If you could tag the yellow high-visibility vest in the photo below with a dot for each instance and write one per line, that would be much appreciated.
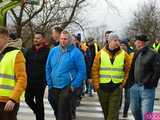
(156, 48)
(112, 72)
(95, 45)
(84, 47)
(7, 73)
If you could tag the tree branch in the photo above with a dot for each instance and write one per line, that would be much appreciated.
(14, 14)
(77, 3)
(34, 14)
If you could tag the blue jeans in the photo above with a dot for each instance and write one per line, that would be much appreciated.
(89, 88)
(141, 100)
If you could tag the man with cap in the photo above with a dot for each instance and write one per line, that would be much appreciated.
(15, 41)
(143, 78)
(77, 40)
(109, 73)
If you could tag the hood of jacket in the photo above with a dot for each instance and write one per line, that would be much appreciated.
(17, 43)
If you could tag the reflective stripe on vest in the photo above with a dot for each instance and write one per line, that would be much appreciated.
(7, 74)
(112, 72)
(96, 47)
(156, 48)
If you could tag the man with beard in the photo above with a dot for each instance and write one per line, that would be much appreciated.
(36, 58)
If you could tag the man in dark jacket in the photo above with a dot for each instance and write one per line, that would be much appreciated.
(56, 32)
(77, 93)
(143, 78)
(92, 50)
(36, 58)
(125, 46)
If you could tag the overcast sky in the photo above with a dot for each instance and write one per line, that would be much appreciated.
(98, 13)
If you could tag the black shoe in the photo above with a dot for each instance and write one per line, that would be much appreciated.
(73, 117)
(90, 95)
(156, 99)
(78, 102)
(125, 115)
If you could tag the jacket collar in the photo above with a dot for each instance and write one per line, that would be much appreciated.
(5, 46)
(67, 49)
(114, 52)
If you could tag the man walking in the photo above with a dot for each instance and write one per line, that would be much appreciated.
(13, 77)
(65, 71)
(143, 78)
(109, 73)
(125, 46)
(36, 58)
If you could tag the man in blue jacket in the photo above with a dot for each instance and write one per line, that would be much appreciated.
(65, 71)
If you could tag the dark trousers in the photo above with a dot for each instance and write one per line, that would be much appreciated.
(52, 101)
(76, 99)
(127, 101)
(8, 115)
(34, 98)
(61, 103)
(110, 102)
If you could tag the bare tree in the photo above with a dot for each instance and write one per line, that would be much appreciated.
(59, 12)
(20, 18)
(29, 18)
(146, 20)
(49, 13)
(76, 5)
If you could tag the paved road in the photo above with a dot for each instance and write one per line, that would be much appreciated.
(89, 109)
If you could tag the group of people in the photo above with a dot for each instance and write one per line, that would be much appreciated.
(115, 68)
(71, 65)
